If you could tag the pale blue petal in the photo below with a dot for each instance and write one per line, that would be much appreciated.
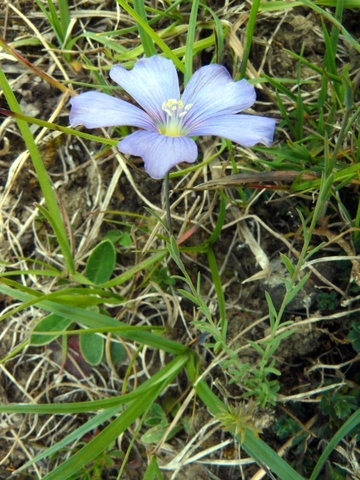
(246, 130)
(151, 82)
(212, 91)
(95, 110)
(159, 152)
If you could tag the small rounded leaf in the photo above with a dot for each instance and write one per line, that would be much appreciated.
(92, 348)
(101, 263)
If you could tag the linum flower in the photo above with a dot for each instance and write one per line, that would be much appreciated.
(209, 105)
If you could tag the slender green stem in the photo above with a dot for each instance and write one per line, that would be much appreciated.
(167, 204)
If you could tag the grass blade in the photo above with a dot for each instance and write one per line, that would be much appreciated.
(46, 187)
(146, 40)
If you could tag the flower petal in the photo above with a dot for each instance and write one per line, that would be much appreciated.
(151, 82)
(246, 130)
(212, 91)
(95, 110)
(159, 152)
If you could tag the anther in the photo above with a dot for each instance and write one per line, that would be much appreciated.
(175, 111)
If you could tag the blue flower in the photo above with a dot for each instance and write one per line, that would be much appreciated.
(209, 106)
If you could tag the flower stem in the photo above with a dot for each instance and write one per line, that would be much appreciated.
(167, 204)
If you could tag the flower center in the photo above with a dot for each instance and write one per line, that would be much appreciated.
(175, 112)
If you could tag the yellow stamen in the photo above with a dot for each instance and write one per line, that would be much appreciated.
(175, 111)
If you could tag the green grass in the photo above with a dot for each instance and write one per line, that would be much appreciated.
(161, 321)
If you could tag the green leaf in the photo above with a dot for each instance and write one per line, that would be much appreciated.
(101, 263)
(287, 262)
(272, 310)
(155, 434)
(118, 236)
(188, 295)
(292, 291)
(354, 336)
(257, 347)
(92, 348)
(155, 416)
(41, 335)
(272, 370)
(117, 352)
(153, 471)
